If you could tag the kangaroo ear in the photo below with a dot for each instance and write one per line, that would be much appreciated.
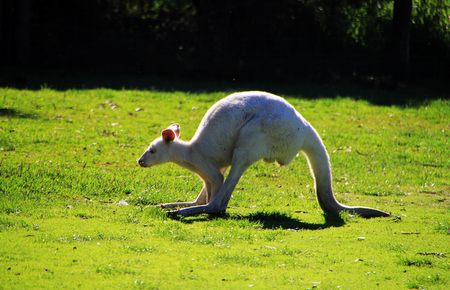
(168, 135)
(176, 128)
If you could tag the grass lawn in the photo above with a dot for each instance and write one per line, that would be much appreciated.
(68, 166)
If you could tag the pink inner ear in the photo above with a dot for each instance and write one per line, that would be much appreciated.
(168, 135)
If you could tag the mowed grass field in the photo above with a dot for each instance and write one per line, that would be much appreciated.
(76, 211)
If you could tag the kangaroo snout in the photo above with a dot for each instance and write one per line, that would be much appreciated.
(141, 162)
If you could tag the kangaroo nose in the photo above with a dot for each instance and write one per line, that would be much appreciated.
(141, 162)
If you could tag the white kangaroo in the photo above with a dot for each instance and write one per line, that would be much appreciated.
(237, 131)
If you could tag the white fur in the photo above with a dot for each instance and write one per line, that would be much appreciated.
(238, 131)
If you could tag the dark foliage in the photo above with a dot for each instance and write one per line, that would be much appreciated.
(244, 40)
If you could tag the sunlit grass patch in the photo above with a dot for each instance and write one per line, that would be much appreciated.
(77, 212)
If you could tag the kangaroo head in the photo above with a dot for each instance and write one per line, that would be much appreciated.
(159, 150)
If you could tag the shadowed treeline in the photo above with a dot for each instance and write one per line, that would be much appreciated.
(289, 40)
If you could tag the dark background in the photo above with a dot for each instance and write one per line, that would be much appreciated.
(376, 42)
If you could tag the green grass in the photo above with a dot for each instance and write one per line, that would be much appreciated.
(68, 157)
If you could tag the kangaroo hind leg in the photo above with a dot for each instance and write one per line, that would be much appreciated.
(251, 147)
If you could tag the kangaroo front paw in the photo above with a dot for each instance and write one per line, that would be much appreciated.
(176, 205)
(169, 205)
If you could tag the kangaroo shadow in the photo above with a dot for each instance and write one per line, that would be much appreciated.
(271, 220)
(278, 220)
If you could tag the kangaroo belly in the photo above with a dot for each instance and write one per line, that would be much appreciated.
(283, 154)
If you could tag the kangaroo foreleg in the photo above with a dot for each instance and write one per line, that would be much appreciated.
(201, 199)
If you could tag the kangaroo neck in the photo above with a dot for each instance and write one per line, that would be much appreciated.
(181, 154)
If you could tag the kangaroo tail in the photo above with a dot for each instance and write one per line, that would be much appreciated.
(319, 164)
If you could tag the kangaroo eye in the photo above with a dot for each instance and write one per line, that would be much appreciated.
(152, 151)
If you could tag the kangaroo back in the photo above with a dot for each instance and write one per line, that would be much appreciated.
(259, 113)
